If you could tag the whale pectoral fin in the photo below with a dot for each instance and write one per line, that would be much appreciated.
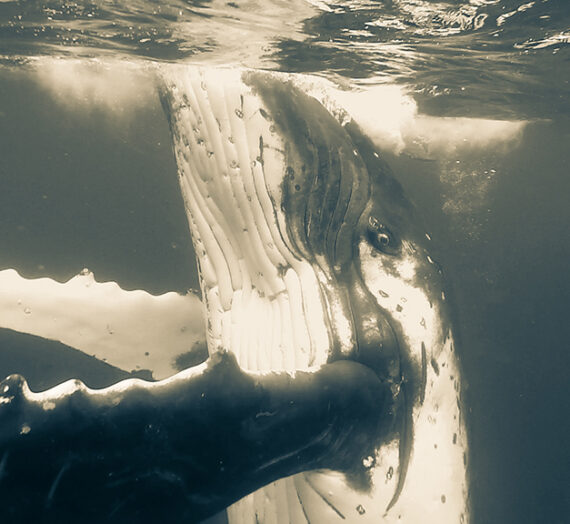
(137, 447)
(127, 329)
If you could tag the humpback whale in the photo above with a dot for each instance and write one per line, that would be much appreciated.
(332, 388)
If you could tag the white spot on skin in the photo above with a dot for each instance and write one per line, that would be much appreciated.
(407, 269)
(25, 429)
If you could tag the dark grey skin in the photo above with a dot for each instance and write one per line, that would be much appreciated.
(181, 450)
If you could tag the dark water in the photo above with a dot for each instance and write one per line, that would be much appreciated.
(93, 184)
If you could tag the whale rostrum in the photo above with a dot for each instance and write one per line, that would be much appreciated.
(332, 388)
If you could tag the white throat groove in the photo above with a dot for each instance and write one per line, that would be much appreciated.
(263, 301)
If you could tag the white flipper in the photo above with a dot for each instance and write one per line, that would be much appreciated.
(127, 329)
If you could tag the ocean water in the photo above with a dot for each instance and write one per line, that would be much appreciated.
(476, 127)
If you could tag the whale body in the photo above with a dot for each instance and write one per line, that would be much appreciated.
(336, 239)
(310, 256)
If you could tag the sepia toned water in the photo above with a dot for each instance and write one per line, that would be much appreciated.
(87, 180)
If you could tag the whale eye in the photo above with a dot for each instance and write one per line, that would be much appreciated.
(381, 237)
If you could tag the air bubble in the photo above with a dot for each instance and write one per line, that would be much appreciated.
(360, 509)
(390, 473)
(239, 113)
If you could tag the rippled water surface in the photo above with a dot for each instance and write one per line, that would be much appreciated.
(491, 57)
(92, 184)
